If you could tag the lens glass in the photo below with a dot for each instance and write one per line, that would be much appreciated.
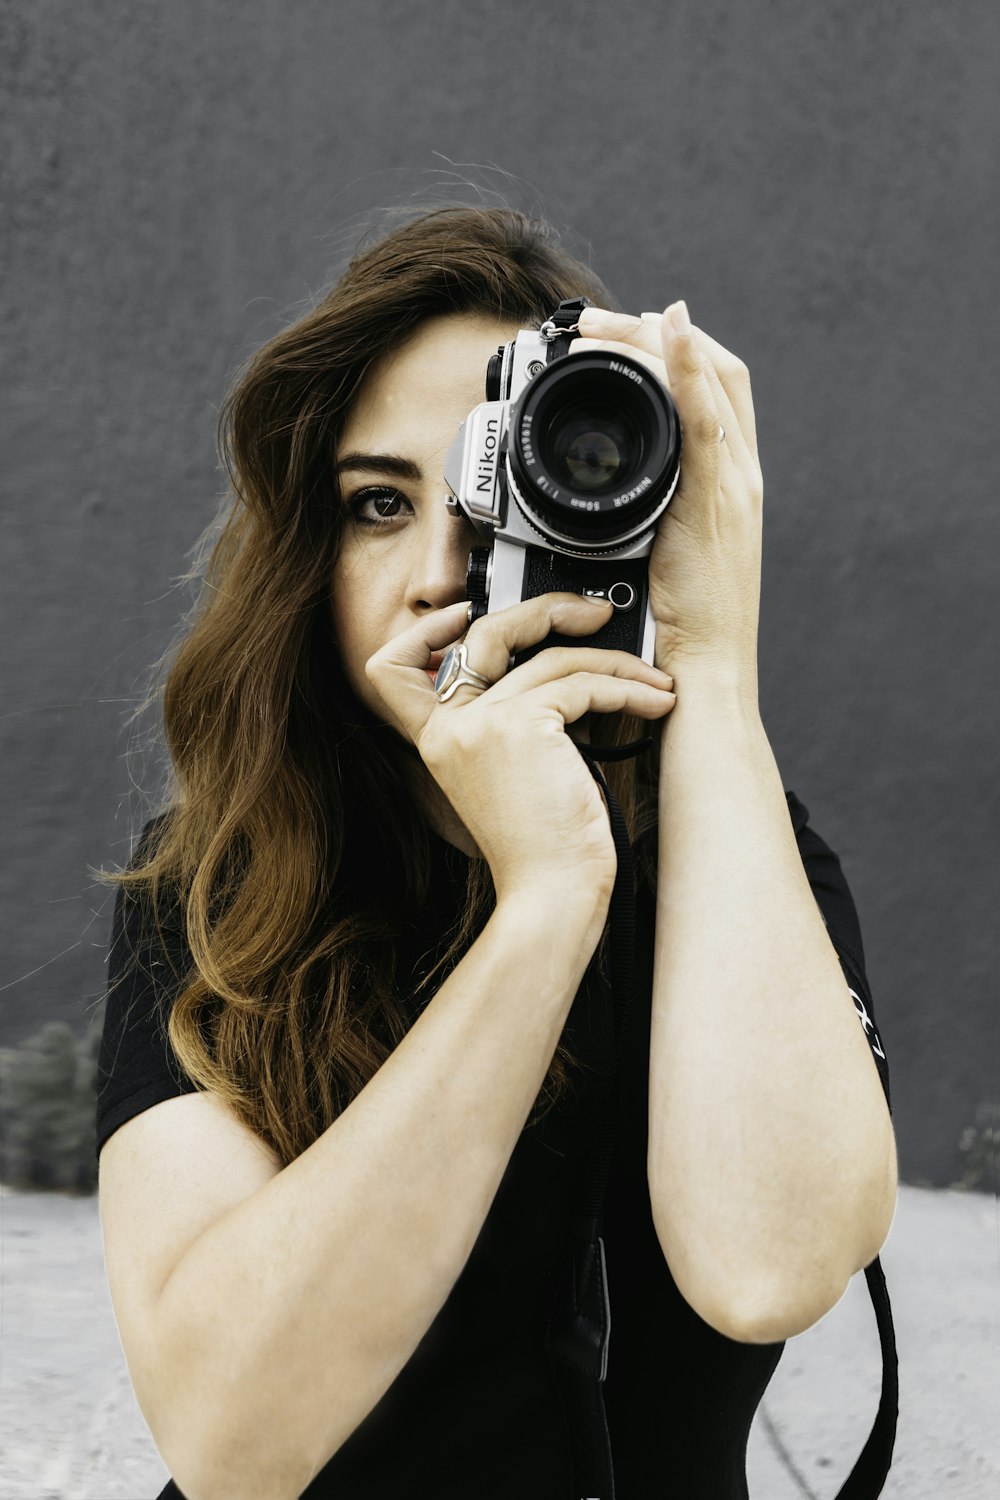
(592, 453)
(592, 446)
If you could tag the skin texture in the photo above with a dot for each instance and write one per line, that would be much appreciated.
(410, 405)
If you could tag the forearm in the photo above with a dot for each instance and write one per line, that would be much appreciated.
(771, 1157)
(285, 1322)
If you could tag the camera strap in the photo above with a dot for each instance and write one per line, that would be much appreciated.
(579, 1327)
(558, 330)
(578, 1333)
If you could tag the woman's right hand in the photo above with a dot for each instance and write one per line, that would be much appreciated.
(502, 756)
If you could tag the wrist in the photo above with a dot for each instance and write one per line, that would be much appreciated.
(552, 944)
(726, 678)
(714, 729)
(556, 908)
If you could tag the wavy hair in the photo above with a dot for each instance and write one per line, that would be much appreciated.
(281, 782)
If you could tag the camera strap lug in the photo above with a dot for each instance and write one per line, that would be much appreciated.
(558, 330)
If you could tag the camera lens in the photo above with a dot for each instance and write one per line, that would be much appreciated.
(591, 451)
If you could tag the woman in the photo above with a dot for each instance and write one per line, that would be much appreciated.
(357, 1029)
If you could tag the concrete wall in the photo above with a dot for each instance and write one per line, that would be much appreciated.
(814, 179)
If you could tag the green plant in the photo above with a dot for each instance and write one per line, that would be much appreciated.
(47, 1110)
(980, 1145)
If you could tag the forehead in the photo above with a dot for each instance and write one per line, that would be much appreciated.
(434, 378)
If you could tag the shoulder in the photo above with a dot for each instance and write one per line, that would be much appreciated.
(133, 900)
(148, 963)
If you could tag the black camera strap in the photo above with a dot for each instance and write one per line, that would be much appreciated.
(558, 330)
(578, 1333)
(579, 1328)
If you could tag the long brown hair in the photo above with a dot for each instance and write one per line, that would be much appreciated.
(281, 781)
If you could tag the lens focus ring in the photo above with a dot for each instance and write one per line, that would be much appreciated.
(594, 448)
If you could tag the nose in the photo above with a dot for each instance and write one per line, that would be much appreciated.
(440, 560)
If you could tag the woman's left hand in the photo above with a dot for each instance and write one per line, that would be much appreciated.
(704, 569)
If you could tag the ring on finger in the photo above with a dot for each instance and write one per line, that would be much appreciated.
(454, 671)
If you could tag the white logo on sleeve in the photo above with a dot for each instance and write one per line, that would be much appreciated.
(867, 1023)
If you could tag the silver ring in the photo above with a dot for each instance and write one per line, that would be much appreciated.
(722, 433)
(453, 671)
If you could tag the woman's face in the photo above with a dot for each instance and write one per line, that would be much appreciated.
(402, 552)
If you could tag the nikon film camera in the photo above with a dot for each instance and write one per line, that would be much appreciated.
(564, 470)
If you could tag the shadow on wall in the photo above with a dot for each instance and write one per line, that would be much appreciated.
(48, 1105)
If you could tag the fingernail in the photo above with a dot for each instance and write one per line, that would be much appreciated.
(680, 320)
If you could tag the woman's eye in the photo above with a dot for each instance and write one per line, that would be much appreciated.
(377, 507)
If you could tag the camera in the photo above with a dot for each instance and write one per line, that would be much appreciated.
(564, 470)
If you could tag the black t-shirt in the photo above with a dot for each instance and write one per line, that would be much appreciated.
(475, 1411)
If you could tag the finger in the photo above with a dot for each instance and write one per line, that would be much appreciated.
(637, 337)
(653, 362)
(562, 661)
(570, 615)
(734, 378)
(731, 436)
(493, 639)
(700, 418)
(623, 333)
(415, 646)
(642, 335)
(601, 323)
(398, 670)
(594, 692)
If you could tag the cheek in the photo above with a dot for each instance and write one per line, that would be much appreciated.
(355, 613)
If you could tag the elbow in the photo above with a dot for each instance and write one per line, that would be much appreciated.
(212, 1450)
(762, 1313)
(789, 1299)
(741, 1301)
(213, 1421)
(206, 1478)
(771, 1316)
(799, 1285)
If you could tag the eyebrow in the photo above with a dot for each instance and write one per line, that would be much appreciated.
(378, 463)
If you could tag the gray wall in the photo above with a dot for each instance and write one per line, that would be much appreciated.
(819, 181)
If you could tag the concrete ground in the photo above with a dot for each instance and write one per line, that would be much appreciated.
(70, 1428)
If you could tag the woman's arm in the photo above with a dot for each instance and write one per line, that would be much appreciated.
(286, 1321)
(772, 1162)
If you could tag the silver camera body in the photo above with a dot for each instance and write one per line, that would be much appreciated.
(564, 470)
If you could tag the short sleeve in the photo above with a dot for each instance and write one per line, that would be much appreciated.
(836, 905)
(137, 1067)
